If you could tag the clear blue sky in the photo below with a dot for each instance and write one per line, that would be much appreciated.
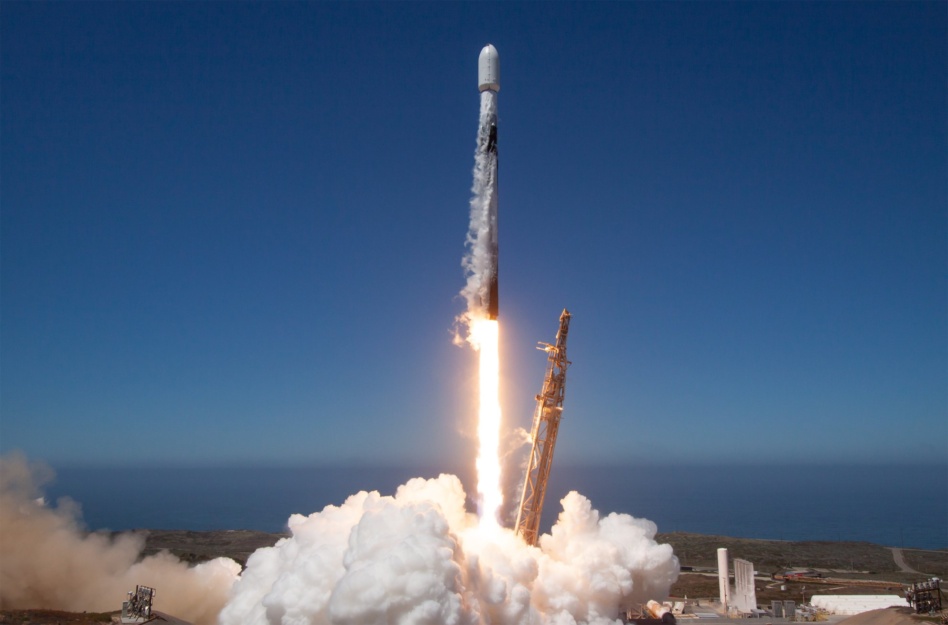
(231, 233)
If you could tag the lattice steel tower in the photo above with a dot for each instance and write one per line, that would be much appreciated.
(546, 423)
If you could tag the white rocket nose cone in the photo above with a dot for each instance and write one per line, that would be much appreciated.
(488, 69)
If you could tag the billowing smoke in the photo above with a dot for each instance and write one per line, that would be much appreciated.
(419, 558)
(47, 561)
(480, 261)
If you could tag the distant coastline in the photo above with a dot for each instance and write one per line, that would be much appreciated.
(902, 506)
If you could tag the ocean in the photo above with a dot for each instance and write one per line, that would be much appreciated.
(897, 506)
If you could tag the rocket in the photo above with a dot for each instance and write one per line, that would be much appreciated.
(488, 79)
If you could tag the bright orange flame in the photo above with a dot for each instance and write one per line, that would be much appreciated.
(485, 338)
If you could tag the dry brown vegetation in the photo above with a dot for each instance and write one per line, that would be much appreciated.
(930, 562)
(194, 547)
(851, 560)
(777, 555)
(53, 617)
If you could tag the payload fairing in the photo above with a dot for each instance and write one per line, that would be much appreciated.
(488, 69)
(488, 79)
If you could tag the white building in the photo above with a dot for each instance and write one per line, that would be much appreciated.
(856, 604)
(745, 595)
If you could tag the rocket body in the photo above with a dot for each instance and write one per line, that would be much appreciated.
(488, 83)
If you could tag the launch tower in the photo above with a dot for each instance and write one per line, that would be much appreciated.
(546, 423)
(137, 609)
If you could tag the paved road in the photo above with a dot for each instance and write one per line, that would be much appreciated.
(900, 562)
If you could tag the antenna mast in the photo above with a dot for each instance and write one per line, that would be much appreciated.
(546, 423)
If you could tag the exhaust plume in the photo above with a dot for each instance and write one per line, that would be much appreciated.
(48, 561)
(480, 318)
(419, 558)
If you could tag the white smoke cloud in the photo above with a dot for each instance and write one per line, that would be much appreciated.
(418, 557)
(47, 561)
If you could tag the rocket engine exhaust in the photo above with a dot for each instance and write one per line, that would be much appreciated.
(480, 290)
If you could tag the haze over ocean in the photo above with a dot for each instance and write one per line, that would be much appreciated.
(889, 505)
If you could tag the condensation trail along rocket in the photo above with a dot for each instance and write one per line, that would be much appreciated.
(488, 80)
